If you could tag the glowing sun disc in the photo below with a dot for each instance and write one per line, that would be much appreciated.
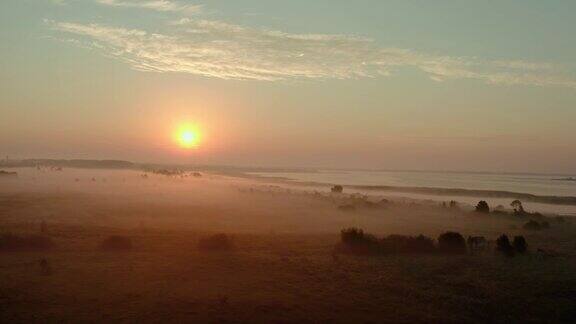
(187, 136)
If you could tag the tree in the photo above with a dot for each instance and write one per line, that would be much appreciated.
(482, 207)
(337, 189)
(503, 245)
(517, 205)
(452, 243)
(520, 244)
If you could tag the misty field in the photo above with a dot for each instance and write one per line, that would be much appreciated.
(126, 248)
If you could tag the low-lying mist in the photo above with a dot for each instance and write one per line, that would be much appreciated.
(212, 202)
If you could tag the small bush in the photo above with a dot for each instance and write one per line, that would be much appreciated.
(337, 189)
(217, 242)
(503, 245)
(534, 225)
(116, 243)
(560, 219)
(482, 207)
(11, 242)
(519, 244)
(356, 241)
(451, 243)
(517, 206)
(400, 244)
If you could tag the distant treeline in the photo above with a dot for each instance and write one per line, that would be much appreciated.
(89, 164)
(557, 200)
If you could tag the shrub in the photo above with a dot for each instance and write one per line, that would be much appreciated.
(517, 206)
(560, 219)
(337, 189)
(400, 244)
(452, 243)
(356, 241)
(519, 244)
(217, 242)
(11, 242)
(503, 245)
(536, 226)
(116, 243)
(532, 225)
(482, 207)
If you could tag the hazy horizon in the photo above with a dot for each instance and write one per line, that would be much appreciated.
(391, 85)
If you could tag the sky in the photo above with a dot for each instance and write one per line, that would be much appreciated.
(376, 84)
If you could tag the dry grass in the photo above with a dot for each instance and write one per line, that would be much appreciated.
(161, 280)
(283, 268)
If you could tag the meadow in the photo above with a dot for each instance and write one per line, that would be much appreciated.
(282, 264)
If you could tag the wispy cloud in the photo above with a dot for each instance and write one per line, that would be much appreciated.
(218, 49)
(159, 5)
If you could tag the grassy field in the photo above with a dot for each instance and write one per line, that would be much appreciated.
(277, 272)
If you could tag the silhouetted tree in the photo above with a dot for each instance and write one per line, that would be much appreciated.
(476, 243)
(356, 241)
(453, 204)
(519, 244)
(482, 207)
(503, 245)
(337, 189)
(452, 243)
(517, 205)
(398, 244)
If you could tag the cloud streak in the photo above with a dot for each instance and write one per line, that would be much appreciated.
(158, 5)
(221, 50)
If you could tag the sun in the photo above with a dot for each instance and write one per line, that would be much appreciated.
(187, 136)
